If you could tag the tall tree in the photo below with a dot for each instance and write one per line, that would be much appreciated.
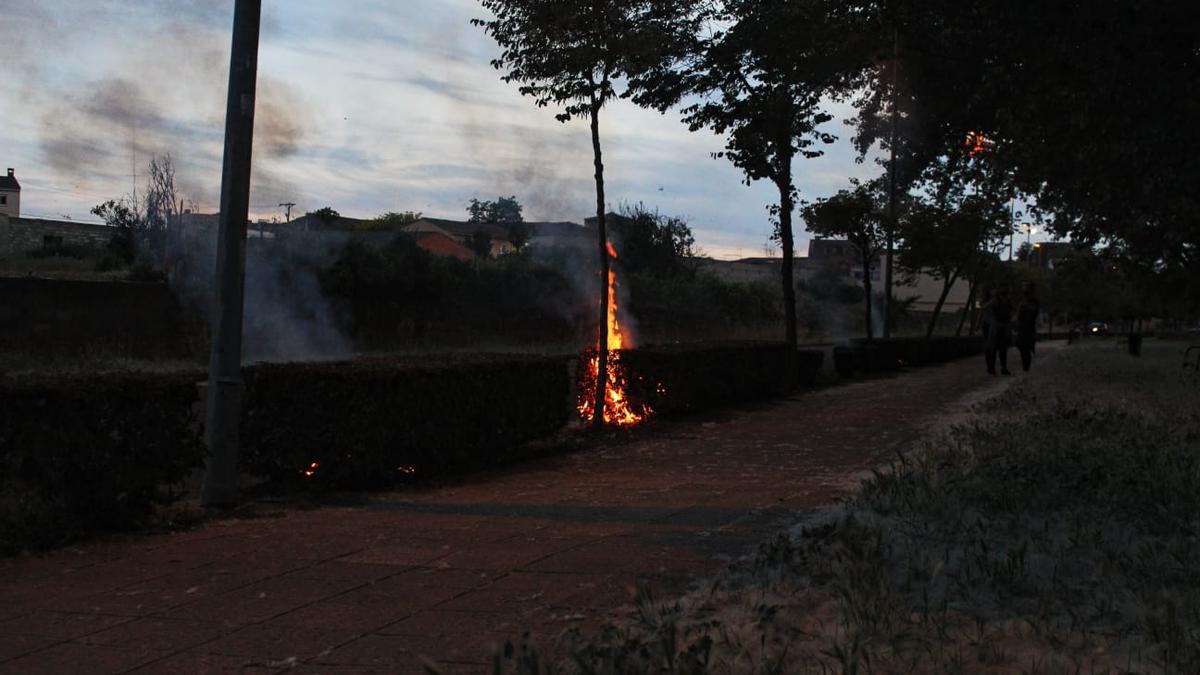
(572, 55)
(952, 223)
(743, 79)
(502, 210)
(859, 216)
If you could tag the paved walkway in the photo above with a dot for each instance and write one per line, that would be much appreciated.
(452, 570)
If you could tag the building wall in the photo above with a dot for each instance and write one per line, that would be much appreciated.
(18, 235)
(12, 203)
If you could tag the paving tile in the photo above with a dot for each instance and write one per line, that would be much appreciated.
(403, 651)
(72, 657)
(164, 635)
(448, 622)
(261, 600)
(12, 646)
(277, 643)
(199, 663)
(59, 625)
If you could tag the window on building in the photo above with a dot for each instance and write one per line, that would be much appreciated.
(3, 200)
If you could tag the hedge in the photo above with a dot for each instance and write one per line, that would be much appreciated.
(370, 422)
(91, 452)
(890, 354)
(693, 377)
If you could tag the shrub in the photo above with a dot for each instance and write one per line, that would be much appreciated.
(371, 422)
(91, 452)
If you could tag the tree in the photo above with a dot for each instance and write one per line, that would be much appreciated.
(651, 242)
(572, 56)
(503, 210)
(326, 215)
(858, 216)
(750, 91)
(126, 222)
(951, 224)
(481, 244)
(1077, 97)
(390, 221)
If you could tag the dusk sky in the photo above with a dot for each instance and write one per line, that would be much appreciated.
(364, 105)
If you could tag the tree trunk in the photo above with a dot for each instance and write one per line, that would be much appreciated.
(971, 286)
(947, 284)
(867, 289)
(891, 226)
(602, 235)
(786, 206)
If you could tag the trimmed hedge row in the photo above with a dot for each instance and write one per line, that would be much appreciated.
(90, 452)
(371, 422)
(688, 378)
(883, 355)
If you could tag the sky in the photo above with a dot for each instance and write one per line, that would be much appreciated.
(366, 106)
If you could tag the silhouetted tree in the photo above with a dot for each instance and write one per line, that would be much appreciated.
(572, 55)
(856, 215)
(503, 210)
(742, 71)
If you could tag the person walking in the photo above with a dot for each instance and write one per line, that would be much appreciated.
(997, 319)
(1027, 314)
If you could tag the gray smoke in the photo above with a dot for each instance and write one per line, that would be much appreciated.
(288, 317)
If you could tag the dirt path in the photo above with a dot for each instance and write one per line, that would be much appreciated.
(450, 571)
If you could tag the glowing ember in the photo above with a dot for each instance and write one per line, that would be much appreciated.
(977, 143)
(407, 469)
(311, 470)
(617, 407)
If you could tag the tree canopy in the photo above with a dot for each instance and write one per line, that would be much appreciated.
(502, 210)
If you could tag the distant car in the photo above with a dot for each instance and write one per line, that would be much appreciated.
(1097, 328)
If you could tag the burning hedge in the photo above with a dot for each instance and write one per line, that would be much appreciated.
(687, 378)
(372, 422)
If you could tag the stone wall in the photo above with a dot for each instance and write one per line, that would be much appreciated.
(19, 235)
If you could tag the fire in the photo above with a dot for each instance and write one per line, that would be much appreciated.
(617, 407)
(977, 143)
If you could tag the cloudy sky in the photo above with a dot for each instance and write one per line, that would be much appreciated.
(364, 105)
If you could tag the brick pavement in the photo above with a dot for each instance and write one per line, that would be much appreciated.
(449, 571)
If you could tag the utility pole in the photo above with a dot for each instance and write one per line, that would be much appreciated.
(223, 412)
(288, 206)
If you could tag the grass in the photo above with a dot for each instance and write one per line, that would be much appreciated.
(1055, 532)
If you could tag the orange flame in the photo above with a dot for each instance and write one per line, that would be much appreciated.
(977, 143)
(617, 407)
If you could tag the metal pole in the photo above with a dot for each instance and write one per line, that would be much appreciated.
(222, 416)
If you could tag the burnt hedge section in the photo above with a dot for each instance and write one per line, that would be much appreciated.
(372, 422)
(82, 453)
(688, 378)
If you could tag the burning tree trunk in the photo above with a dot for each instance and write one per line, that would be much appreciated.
(605, 273)
(614, 404)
